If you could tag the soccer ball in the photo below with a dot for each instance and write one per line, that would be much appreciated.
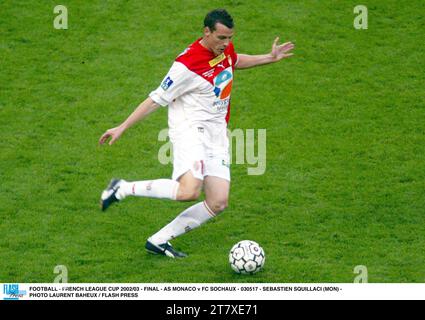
(247, 257)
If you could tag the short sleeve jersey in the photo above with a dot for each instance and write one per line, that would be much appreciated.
(197, 88)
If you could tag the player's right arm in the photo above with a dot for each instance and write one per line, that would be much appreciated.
(178, 81)
(141, 112)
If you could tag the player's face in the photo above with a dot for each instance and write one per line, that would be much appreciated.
(219, 39)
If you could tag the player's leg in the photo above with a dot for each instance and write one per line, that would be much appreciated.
(217, 179)
(189, 219)
(216, 198)
(188, 188)
(217, 194)
(119, 189)
(185, 189)
(185, 185)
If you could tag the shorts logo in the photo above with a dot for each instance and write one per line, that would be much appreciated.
(166, 83)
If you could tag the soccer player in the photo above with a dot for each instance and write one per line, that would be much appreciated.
(197, 91)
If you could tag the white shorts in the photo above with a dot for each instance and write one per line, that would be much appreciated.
(201, 153)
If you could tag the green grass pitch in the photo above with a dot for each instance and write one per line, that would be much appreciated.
(345, 120)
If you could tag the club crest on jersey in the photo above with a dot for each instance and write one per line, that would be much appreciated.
(166, 83)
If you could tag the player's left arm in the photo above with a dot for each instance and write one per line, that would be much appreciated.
(278, 53)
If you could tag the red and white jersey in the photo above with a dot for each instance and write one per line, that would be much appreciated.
(197, 89)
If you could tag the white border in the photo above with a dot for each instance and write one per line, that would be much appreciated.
(216, 291)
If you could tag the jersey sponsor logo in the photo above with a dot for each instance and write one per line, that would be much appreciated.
(222, 88)
(217, 60)
(223, 83)
(167, 83)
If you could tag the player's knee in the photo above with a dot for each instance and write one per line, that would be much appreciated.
(218, 206)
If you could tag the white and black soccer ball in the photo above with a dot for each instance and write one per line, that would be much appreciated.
(247, 257)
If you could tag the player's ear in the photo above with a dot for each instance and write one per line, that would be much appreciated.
(207, 31)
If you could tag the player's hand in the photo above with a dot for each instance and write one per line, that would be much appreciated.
(281, 51)
(113, 133)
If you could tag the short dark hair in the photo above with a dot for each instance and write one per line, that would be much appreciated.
(218, 16)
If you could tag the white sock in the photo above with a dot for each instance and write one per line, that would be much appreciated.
(160, 188)
(186, 221)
